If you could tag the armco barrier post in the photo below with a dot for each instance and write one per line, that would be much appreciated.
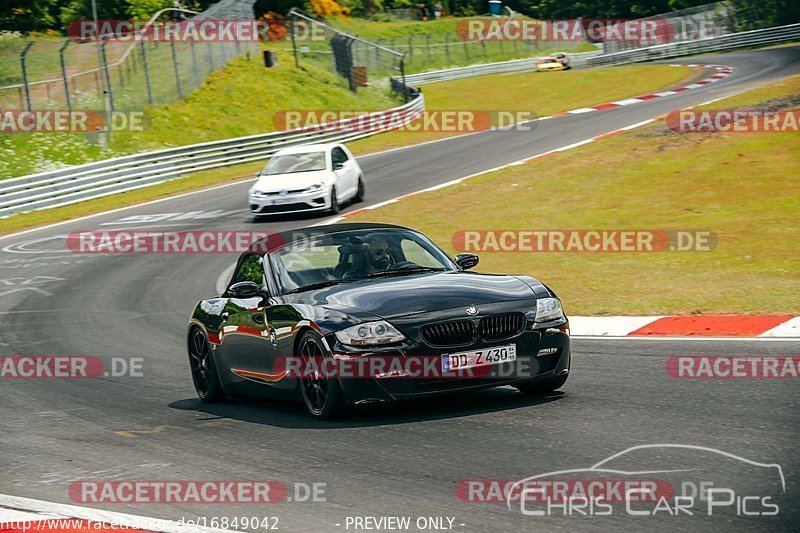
(64, 73)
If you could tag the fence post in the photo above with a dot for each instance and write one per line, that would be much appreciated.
(64, 73)
(466, 50)
(294, 45)
(146, 69)
(194, 64)
(428, 46)
(411, 48)
(447, 47)
(403, 78)
(108, 77)
(210, 55)
(175, 67)
(25, 74)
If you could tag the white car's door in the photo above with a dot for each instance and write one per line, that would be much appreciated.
(344, 169)
(353, 167)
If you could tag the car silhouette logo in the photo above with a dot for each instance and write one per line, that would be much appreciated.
(472, 310)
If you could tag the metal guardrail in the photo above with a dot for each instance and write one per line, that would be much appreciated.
(120, 174)
(487, 68)
(777, 35)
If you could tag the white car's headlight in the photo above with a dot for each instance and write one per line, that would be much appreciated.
(548, 309)
(370, 334)
(314, 188)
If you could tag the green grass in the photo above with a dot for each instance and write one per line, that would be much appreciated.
(741, 186)
(544, 94)
(238, 100)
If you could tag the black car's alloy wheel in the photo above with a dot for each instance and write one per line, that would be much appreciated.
(322, 397)
(204, 373)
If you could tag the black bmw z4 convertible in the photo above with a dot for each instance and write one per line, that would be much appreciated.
(356, 314)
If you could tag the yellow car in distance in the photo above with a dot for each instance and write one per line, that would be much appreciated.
(544, 64)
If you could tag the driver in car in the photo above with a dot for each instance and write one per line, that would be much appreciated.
(374, 257)
(378, 256)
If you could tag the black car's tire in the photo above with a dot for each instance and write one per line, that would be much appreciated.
(204, 371)
(540, 387)
(361, 191)
(322, 397)
(335, 205)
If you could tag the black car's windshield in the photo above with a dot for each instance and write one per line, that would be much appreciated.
(289, 163)
(330, 259)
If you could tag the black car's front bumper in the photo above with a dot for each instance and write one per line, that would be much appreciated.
(542, 353)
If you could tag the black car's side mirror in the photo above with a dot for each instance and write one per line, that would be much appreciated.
(338, 166)
(467, 261)
(245, 289)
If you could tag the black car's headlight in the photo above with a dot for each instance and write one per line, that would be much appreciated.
(548, 309)
(370, 334)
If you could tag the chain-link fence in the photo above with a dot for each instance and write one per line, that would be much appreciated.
(357, 60)
(361, 61)
(68, 74)
(699, 22)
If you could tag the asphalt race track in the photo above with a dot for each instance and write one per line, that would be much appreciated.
(405, 460)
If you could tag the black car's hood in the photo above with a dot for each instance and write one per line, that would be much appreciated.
(415, 293)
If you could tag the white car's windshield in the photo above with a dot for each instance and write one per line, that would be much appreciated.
(286, 164)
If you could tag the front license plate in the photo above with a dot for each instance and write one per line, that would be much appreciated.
(281, 201)
(479, 358)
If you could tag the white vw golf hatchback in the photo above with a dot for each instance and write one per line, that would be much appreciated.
(313, 177)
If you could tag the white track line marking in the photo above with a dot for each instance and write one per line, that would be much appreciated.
(614, 326)
(790, 328)
(628, 101)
